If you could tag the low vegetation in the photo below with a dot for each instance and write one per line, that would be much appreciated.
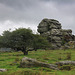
(11, 62)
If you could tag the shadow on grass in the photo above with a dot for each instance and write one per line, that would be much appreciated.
(2, 60)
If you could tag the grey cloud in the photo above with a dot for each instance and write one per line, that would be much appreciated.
(31, 12)
(60, 1)
(18, 9)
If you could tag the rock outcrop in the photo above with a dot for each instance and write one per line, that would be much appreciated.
(52, 29)
(29, 62)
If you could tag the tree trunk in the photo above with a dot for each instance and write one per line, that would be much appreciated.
(25, 52)
(35, 49)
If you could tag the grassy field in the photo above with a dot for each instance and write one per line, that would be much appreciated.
(11, 62)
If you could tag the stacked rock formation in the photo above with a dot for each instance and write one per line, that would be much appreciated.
(52, 29)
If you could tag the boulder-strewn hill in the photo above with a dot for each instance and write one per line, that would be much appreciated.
(57, 36)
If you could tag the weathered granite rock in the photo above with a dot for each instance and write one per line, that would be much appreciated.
(70, 45)
(61, 63)
(29, 62)
(43, 26)
(42, 29)
(55, 32)
(65, 65)
(52, 26)
(48, 33)
(3, 70)
(67, 31)
(57, 36)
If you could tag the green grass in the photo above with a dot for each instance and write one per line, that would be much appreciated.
(11, 62)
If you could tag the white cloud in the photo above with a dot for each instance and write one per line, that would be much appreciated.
(6, 25)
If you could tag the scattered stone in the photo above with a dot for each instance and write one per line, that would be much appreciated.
(61, 63)
(29, 62)
(3, 70)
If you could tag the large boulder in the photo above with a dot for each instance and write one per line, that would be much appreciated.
(43, 26)
(29, 62)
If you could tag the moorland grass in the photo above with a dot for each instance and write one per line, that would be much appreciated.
(11, 62)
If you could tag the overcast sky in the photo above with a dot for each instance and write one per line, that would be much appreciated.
(28, 13)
